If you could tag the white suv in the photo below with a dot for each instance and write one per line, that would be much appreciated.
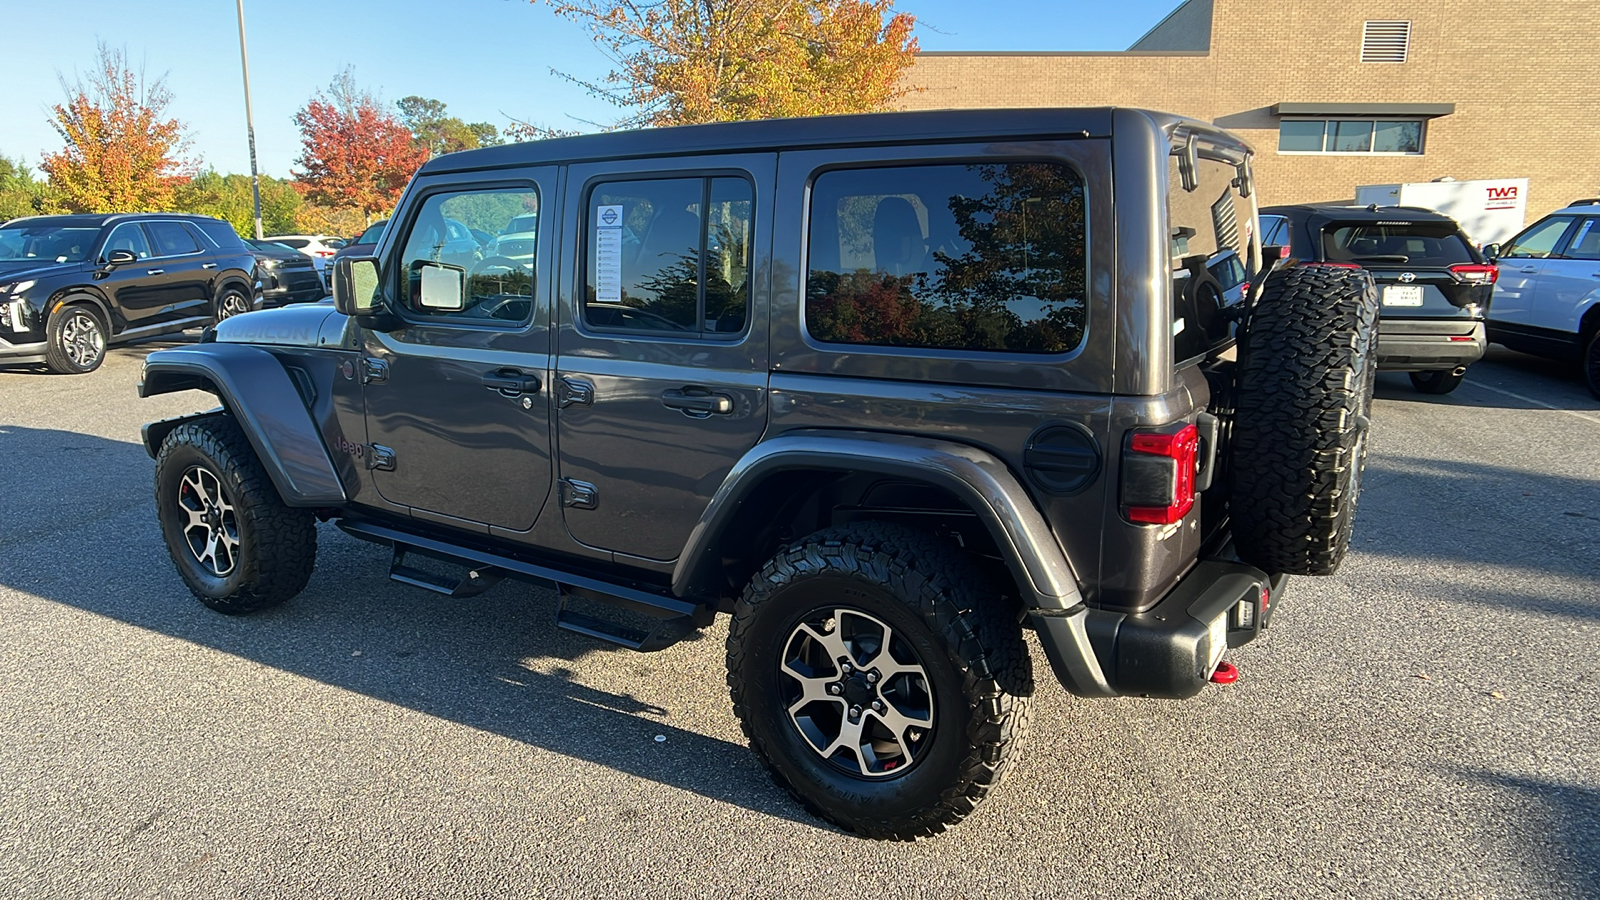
(1547, 301)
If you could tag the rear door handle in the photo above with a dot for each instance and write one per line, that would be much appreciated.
(155, 271)
(1534, 270)
(511, 382)
(697, 401)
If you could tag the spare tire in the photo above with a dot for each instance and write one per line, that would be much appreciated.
(1307, 360)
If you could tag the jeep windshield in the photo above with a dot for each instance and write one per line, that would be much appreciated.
(45, 243)
(1422, 244)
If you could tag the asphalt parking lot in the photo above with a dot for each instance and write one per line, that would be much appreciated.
(1424, 724)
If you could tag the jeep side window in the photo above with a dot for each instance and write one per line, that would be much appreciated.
(981, 256)
(130, 237)
(1540, 241)
(656, 264)
(496, 277)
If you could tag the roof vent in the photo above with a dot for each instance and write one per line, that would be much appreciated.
(1385, 42)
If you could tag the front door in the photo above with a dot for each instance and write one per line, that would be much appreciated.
(139, 294)
(1570, 281)
(662, 349)
(457, 395)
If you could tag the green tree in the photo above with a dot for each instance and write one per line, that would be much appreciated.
(21, 194)
(434, 128)
(679, 62)
(228, 197)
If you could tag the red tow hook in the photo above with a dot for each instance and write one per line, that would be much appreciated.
(1226, 673)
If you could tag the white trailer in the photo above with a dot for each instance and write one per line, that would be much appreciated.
(1489, 211)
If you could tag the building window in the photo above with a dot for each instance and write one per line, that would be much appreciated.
(1397, 136)
(1385, 42)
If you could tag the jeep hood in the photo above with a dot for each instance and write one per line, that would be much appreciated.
(298, 325)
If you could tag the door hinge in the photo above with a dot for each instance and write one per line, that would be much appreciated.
(374, 371)
(579, 494)
(380, 458)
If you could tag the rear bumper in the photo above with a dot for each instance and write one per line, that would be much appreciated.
(1171, 649)
(1418, 345)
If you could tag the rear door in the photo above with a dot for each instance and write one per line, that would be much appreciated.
(1570, 280)
(1522, 260)
(456, 390)
(662, 346)
(180, 270)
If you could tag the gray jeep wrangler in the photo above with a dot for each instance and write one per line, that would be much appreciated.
(889, 390)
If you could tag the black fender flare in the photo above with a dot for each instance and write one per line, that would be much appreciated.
(257, 392)
(77, 295)
(978, 478)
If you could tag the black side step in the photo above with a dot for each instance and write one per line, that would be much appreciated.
(670, 619)
(472, 583)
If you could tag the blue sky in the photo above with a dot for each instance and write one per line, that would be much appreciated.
(486, 59)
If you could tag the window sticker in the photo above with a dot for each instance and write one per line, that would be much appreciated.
(608, 254)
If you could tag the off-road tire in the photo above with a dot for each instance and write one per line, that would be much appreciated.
(965, 635)
(1307, 364)
(1591, 364)
(277, 545)
(65, 349)
(1440, 381)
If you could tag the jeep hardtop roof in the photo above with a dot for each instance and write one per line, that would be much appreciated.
(818, 131)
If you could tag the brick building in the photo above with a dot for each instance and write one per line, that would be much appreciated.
(1333, 95)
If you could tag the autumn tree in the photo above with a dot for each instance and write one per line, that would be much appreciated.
(355, 154)
(432, 127)
(123, 152)
(682, 62)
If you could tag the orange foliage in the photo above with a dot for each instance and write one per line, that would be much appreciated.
(683, 62)
(354, 154)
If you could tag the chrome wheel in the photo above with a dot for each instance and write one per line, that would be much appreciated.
(82, 339)
(212, 527)
(232, 304)
(857, 693)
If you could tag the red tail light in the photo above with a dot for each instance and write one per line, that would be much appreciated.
(1158, 475)
(1473, 273)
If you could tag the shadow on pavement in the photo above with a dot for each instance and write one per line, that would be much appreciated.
(1556, 383)
(495, 662)
(1560, 828)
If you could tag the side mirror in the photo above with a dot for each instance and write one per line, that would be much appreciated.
(121, 258)
(1491, 251)
(355, 286)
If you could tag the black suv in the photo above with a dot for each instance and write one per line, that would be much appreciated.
(887, 389)
(287, 275)
(1433, 285)
(72, 285)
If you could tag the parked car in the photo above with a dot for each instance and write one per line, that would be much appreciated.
(320, 247)
(1434, 285)
(877, 394)
(70, 286)
(1547, 301)
(365, 243)
(287, 275)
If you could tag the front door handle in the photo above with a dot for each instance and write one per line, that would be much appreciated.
(697, 401)
(1530, 271)
(155, 271)
(208, 265)
(511, 382)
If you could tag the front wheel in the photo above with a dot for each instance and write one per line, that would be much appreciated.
(879, 679)
(76, 341)
(236, 545)
(1436, 382)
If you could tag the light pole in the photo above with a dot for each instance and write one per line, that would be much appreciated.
(250, 123)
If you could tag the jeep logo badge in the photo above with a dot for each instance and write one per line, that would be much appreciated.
(1408, 277)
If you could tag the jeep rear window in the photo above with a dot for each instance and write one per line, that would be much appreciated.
(980, 256)
(1208, 226)
(1396, 243)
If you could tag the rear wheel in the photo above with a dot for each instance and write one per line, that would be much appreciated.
(231, 303)
(1307, 364)
(236, 545)
(76, 341)
(1437, 382)
(879, 679)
